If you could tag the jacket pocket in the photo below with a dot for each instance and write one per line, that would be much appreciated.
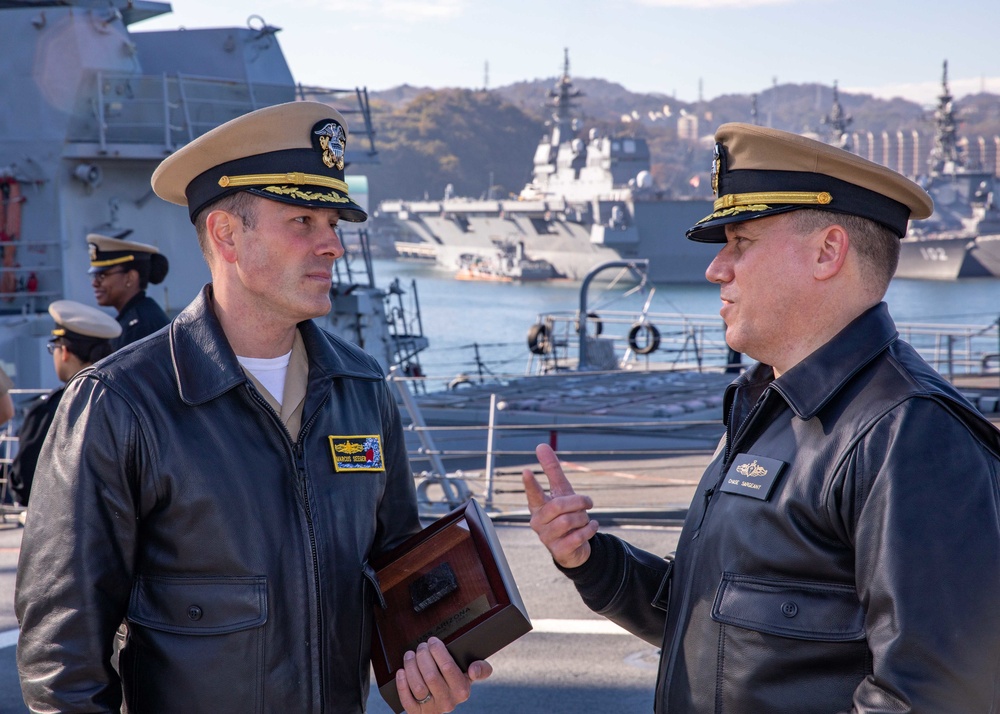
(804, 610)
(196, 644)
(787, 645)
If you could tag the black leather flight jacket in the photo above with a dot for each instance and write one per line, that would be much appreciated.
(867, 579)
(171, 496)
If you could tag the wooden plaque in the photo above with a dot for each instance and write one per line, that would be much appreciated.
(450, 581)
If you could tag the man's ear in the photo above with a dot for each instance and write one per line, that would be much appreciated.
(220, 227)
(833, 244)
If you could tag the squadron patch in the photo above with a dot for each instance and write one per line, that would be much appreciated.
(752, 476)
(357, 453)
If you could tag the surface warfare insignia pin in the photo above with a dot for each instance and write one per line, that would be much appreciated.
(357, 453)
(332, 142)
(753, 476)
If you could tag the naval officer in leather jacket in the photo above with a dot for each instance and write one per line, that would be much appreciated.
(194, 485)
(842, 553)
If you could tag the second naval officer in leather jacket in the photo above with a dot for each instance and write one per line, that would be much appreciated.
(204, 485)
(842, 553)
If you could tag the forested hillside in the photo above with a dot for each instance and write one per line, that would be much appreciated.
(482, 140)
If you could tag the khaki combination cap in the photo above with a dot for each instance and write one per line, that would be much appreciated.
(293, 153)
(760, 172)
(107, 252)
(78, 322)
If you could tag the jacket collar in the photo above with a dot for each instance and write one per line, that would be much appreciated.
(813, 382)
(206, 367)
(133, 301)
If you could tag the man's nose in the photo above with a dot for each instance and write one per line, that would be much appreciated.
(720, 269)
(332, 245)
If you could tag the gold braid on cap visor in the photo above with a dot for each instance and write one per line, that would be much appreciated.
(292, 177)
(739, 202)
(112, 261)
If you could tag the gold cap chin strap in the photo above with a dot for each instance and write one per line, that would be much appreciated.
(293, 177)
(112, 261)
(734, 203)
(796, 197)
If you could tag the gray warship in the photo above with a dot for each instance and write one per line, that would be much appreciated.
(590, 201)
(92, 108)
(962, 237)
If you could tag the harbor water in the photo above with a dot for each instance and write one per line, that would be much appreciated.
(460, 317)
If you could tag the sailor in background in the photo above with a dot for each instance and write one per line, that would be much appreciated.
(82, 335)
(121, 272)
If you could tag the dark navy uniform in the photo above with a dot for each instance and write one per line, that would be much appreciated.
(135, 265)
(141, 316)
(84, 334)
(30, 438)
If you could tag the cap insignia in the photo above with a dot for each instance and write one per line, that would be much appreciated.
(332, 143)
(716, 168)
(93, 251)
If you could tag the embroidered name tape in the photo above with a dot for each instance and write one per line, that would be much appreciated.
(752, 476)
(357, 453)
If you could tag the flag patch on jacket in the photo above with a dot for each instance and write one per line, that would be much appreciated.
(357, 453)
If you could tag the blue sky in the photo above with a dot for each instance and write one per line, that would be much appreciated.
(883, 47)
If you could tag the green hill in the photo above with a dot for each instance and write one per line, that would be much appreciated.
(483, 141)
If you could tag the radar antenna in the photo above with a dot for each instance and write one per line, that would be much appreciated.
(945, 156)
(838, 122)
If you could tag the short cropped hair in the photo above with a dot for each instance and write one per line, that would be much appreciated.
(241, 203)
(877, 245)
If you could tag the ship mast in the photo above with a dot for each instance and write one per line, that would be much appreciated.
(563, 96)
(945, 156)
(838, 122)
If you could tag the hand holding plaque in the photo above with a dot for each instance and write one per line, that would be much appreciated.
(450, 581)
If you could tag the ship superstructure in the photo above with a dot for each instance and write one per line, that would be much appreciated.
(92, 108)
(590, 200)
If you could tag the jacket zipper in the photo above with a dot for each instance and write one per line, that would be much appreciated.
(299, 466)
(299, 452)
(709, 493)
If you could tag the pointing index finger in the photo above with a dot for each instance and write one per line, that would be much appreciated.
(559, 485)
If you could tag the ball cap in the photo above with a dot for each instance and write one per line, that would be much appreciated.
(107, 252)
(760, 172)
(78, 322)
(293, 153)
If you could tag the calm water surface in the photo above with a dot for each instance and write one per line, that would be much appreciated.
(496, 316)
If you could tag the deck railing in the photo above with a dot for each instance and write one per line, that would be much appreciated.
(698, 342)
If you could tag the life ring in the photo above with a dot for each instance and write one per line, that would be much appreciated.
(651, 342)
(460, 380)
(538, 339)
(594, 319)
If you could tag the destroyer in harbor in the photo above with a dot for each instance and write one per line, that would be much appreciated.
(962, 237)
(590, 201)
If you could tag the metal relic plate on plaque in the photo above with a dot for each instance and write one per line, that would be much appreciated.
(450, 581)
